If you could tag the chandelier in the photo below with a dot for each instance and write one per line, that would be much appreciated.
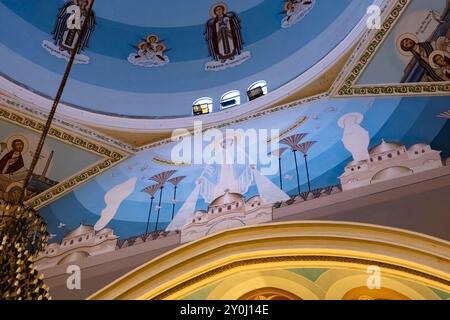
(23, 232)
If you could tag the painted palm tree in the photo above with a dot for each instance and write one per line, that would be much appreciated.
(161, 179)
(292, 142)
(151, 191)
(279, 153)
(304, 148)
(175, 181)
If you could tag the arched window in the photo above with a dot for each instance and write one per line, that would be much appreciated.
(230, 99)
(257, 89)
(202, 106)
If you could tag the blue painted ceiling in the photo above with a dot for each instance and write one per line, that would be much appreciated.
(111, 84)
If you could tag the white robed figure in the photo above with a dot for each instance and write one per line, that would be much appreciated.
(355, 138)
(229, 182)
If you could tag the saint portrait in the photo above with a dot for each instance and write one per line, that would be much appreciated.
(296, 10)
(150, 52)
(429, 57)
(223, 35)
(12, 167)
(440, 62)
(65, 39)
(12, 161)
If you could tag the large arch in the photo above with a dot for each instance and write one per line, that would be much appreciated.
(402, 256)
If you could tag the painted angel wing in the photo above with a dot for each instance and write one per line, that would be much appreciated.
(91, 23)
(209, 37)
(236, 24)
(61, 22)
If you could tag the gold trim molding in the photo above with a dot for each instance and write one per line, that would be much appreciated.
(312, 244)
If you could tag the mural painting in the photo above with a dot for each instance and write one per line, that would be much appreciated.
(224, 37)
(295, 11)
(150, 52)
(427, 48)
(417, 48)
(57, 163)
(324, 147)
(65, 38)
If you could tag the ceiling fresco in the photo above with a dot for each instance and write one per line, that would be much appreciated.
(410, 55)
(136, 53)
(373, 148)
(67, 159)
(129, 199)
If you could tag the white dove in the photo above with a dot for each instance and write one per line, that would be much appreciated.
(113, 199)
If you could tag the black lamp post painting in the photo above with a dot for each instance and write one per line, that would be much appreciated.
(175, 181)
(304, 148)
(279, 153)
(161, 179)
(293, 141)
(151, 191)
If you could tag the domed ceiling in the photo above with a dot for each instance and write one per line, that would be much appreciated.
(113, 75)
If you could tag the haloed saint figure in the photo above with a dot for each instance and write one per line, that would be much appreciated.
(13, 160)
(224, 38)
(224, 34)
(428, 50)
(65, 38)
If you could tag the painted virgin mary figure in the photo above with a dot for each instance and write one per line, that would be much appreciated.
(223, 34)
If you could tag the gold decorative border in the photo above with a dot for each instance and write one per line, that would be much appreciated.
(267, 260)
(11, 103)
(359, 62)
(184, 269)
(110, 156)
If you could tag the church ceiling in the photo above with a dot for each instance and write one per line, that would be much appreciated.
(409, 55)
(68, 158)
(115, 75)
(406, 121)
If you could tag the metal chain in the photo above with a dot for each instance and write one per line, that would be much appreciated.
(56, 101)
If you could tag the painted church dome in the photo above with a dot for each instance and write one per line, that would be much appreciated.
(80, 231)
(147, 59)
(227, 198)
(384, 147)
